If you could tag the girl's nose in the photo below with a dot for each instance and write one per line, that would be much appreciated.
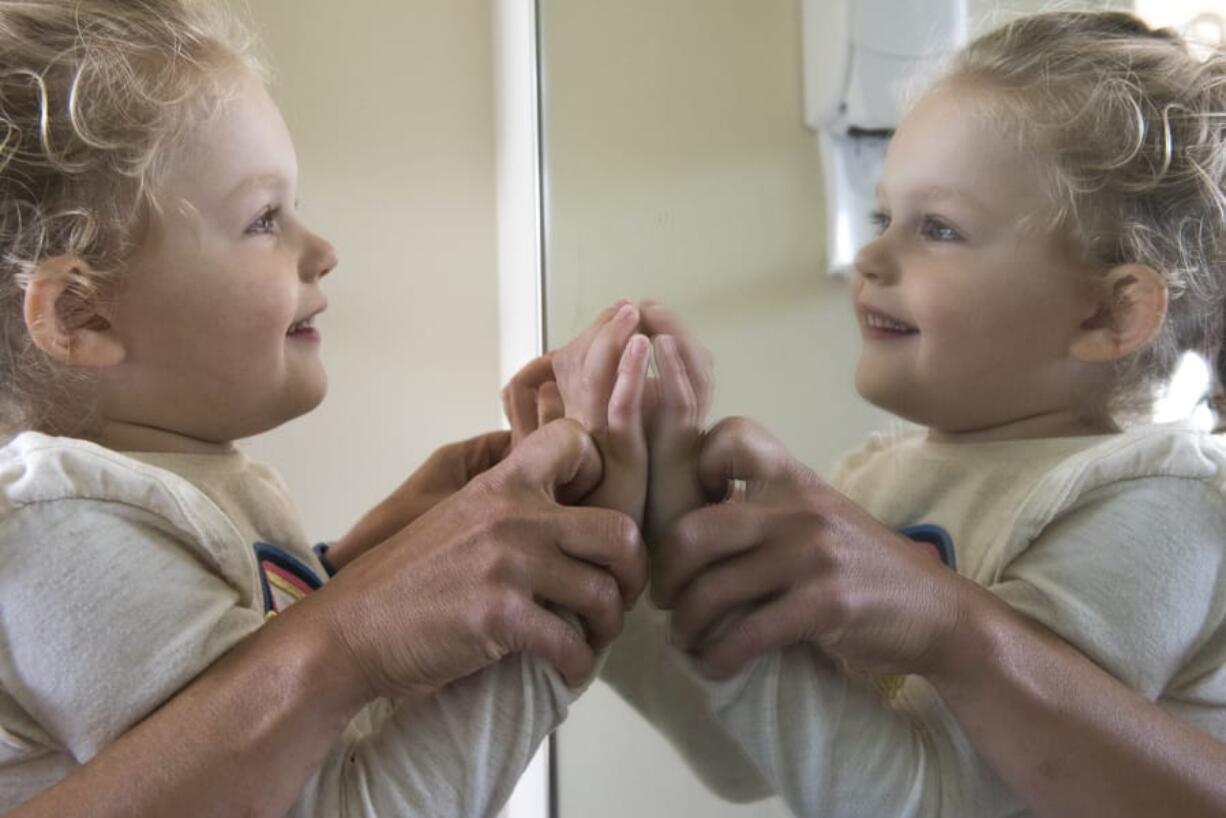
(318, 259)
(875, 263)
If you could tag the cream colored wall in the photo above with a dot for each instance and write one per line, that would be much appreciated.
(391, 107)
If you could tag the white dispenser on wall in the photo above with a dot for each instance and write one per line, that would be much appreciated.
(859, 56)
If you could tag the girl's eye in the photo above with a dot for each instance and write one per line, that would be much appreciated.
(880, 220)
(938, 230)
(266, 223)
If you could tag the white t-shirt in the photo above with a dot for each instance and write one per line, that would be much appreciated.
(122, 577)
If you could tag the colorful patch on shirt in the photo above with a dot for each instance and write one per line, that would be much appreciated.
(285, 579)
(935, 539)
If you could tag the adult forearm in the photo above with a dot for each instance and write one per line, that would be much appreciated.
(1067, 736)
(240, 740)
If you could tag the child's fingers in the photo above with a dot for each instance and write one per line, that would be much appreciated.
(519, 396)
(659, 320)
(583, 341)
(626, 401)
(700, 369)
(549, 406)
(599, 371)
(677, 408)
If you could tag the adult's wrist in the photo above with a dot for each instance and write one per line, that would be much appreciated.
(322, 671)
(974, 647)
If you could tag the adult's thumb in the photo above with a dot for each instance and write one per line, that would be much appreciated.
(559, 458)
(741, 449)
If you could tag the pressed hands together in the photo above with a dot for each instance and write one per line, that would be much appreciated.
(749, 548)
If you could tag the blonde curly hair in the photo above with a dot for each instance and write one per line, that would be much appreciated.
(1132, 124)
(95, 95)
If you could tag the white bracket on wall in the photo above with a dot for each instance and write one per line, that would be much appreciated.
(859, 59)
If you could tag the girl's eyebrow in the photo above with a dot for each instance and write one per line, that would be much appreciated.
(258, 181)
(943, 193)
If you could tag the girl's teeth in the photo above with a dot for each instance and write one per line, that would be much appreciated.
(881, 322)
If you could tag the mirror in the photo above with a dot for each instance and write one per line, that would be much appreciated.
(677, 166)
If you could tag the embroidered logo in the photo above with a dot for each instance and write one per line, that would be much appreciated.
(285, 579)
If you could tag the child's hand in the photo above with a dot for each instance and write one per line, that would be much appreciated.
(812, 566)
(444, 473)
(677, 402)
(531, 398)
(600, 377)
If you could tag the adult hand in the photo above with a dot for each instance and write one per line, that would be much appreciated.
(810, 565)
(483, 574)
(445, 472)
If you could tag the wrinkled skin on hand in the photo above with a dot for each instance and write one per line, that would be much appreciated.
(485, 571)
(790, 560)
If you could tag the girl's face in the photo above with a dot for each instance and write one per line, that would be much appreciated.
(211, 314)
(967, 301)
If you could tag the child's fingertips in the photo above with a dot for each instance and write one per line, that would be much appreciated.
(635, 357)
(627, 314)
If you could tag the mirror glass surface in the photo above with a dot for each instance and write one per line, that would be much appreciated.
(678, 167)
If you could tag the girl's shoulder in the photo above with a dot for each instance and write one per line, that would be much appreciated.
(1160, 460)
(37, 469)
(1154, 450)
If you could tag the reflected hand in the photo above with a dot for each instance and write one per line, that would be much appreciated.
(480, 576)
(796, 561)
(675, 411)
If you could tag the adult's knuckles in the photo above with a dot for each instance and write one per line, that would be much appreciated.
(500, 615)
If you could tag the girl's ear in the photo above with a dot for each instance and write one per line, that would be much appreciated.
(1131, 306)
(68, 322)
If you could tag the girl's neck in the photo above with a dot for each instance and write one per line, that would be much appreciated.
(1047, 424)
(133, 437)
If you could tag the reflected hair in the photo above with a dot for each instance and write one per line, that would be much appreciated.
(1129, 124)
(95, 95)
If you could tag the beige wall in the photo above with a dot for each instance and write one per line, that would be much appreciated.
(391, 108)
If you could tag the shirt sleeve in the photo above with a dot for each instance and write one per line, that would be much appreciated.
(1130, 577)
(458, 752)
(106, 614)
(655, 679)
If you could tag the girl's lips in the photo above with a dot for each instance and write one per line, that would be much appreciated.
(309, 334)
(878, 325)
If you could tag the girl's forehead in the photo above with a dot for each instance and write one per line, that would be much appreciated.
(244, 139)
(950, 144)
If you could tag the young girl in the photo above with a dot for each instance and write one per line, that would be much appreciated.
(1051, 242)
(159, 300)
